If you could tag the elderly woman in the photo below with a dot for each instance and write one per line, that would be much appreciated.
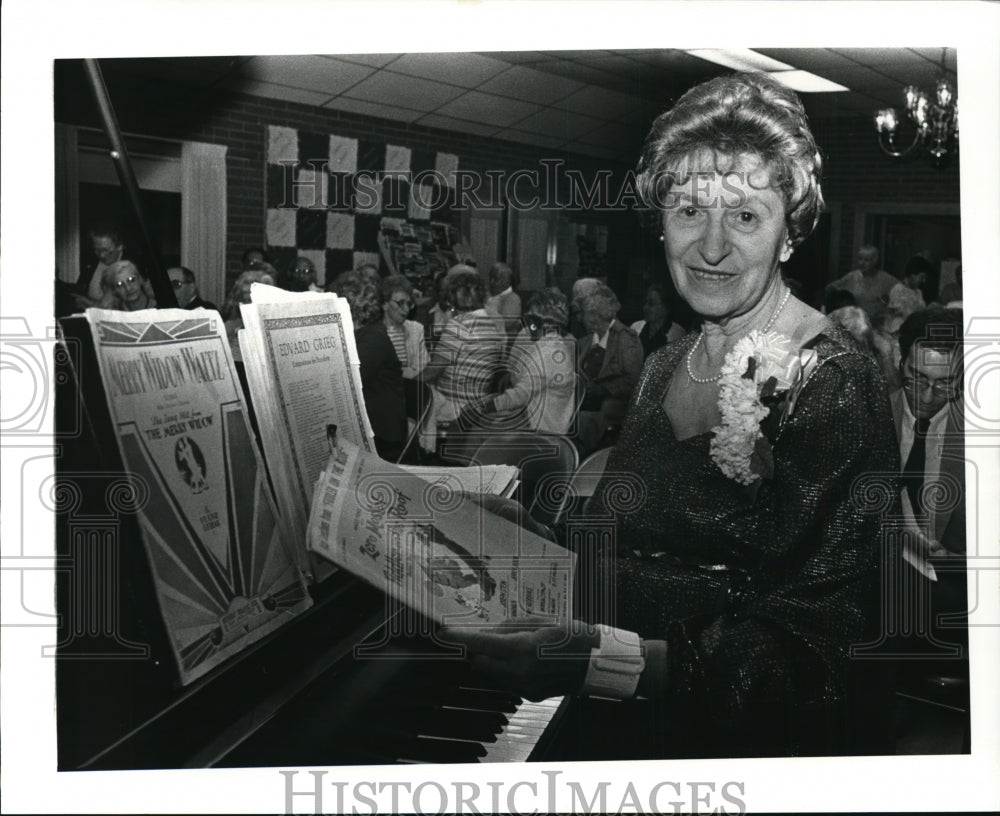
(125, 288)
(656, 329)
(381, 372)
(542, 393)
(609, 362)
(747, 554)
(467, 356)
(407, 336)
(260, 272)
(503, 300)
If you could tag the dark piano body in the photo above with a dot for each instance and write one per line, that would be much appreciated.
(350, 681)
(353, 680)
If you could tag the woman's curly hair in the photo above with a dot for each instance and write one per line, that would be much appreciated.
(728, 117)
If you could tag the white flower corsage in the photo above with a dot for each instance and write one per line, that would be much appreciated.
(760, 381)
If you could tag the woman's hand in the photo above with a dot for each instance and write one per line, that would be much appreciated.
(536, 658)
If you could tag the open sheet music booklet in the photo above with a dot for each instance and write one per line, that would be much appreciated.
(231, 559)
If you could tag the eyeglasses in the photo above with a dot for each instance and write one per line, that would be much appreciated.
(402, 303)
(940, 388)
(126, 282)
(177, 284)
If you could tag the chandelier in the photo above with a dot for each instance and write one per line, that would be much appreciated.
(935, 123)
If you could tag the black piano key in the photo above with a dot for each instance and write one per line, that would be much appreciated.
(460, 723)
(424, 748)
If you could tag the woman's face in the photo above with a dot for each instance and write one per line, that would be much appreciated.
(127, 284)
(595, 321)
(398, 306)
(106, 250)
(653, 310)
(724, 238)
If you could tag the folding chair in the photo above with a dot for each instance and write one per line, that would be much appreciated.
(547, 460)
(583, 484)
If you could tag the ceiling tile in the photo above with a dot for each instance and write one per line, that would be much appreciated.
(467, 70)
(387, 88)
(556, 123)
(574, 70)
(530, 85)
(881, 56)
(613, 134)
(395, 112)
(594, 150)
(480, 107)
(536, 139)
(435, 120)
(312, 73)
(515, 57)
(599, 102)
(273, 91)
(371, 60)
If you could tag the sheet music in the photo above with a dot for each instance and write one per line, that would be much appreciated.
(303, 373)
(223, 576)
(427, 545)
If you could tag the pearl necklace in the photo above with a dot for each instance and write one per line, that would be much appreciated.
(701, 338)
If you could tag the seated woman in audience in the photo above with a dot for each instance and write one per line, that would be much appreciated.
(885, 334)
(503, 300)
(240, 293)
(542, 394)
(407, 336)
(907, 296)
(381, 372)
(300, 277)
(656, 329)
(125, 288)
(749, 497)
(466, 358)
(609, 362)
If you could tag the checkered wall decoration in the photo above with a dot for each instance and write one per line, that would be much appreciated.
(325, 202)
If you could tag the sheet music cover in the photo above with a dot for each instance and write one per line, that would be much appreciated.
(426, 544)
(303, 371)
(223, 575)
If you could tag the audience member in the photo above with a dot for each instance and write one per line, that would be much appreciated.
(581, 288)
(542, 362)
(656, 329)
(869, 284)
(106, 242)
(466, 358)
(906, 296)
(503, 300)
(262, 272)
(124, 288)
(609, 362)
(929, 414)
(885, 329)
(834, 299)
(407, 336)
(300, 277)
(381, 371)
(252, 256)
(186, 289)
(950, 295)
(855, 320)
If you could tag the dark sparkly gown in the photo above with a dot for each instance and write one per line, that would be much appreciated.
(758, 597)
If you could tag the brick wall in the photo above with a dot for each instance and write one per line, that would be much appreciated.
(174, 111)
(855, 171)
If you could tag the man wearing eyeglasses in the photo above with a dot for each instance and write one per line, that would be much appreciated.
(186, 289)
(929, 414)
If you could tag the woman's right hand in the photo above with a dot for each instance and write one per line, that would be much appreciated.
(535, 658)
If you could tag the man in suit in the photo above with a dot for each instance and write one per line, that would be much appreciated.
(186, 289)
(609, 363)
(929, 414)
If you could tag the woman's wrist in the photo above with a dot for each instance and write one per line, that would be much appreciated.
(616, 664)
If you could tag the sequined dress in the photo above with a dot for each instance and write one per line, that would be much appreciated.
(759, 597)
